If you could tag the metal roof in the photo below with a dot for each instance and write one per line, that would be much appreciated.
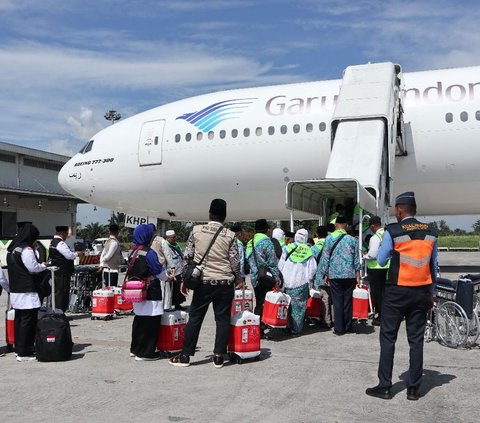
(32, 152)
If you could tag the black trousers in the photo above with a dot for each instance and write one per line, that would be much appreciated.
(25, 324)
(145, 332)
(62, 291)
(221, 297)
(341, 291)
(110, 278)
(260, 293)
(377, 278)
(177, 296)
(399, 302)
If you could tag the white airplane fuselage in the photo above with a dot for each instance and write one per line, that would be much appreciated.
(146, 165)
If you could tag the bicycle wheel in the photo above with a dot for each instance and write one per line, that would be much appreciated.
(474, 329)
(429, 328)
(452, 325)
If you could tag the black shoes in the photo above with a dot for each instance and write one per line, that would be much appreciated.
(376, 321)
(218, 361)
(413, 394)
(180, 360)
(379, 392)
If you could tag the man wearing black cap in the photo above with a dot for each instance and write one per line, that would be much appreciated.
(221, 272)
(62, 257)
(111, 257)
(377, 274)
(411, 247)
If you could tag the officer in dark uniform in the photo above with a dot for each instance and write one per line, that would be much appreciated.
(412, 247)
(62, 257)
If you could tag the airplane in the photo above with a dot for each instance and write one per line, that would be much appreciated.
(244, 145)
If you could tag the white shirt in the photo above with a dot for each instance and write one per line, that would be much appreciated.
(4, 281)
(150, 308)
(297, 274)
(373, 246)
(63, 249)
(28, 300)
(107, 256)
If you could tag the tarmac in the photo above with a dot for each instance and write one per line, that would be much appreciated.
(316, 377)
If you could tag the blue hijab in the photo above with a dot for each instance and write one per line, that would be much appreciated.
(143, 235)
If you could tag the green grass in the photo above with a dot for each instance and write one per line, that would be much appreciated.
(459, 241)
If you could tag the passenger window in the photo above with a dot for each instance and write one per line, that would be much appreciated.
(188, 137)
(449, 117)
(296, 128)
(177, 138)
(89, 146)
(309, 127)
(283, 129)
(258, 132)
(464, 116)
(234, 133)
(223, 133)
(322, 126)
(271, 130)
(199, 136)
(246, 132)
(210, 135)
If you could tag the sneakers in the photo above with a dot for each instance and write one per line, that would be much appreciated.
(218, 361)
(157, 356)
(26, 358)
(180, 360)
(379, 392)
(132, 355)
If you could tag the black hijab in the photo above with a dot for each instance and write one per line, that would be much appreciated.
(26, 236)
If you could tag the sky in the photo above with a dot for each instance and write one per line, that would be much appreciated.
(64, 64)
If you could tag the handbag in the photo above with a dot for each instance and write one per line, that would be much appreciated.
(192, 273)
(264, 276)
(134, 288)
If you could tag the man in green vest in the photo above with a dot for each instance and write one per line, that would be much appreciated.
(377, 275)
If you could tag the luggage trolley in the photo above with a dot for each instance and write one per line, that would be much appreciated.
(453, 321)
(84, 281)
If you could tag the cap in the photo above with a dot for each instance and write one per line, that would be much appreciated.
(61, 228)
(113, 227)
(170, 232)
(289, 234)
(375, 220)
(406, 198)
(261, 225)
(237, 227)
(22, 224)
(341, 220)
(218, 207)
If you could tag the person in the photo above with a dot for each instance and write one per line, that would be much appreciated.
(3, 282)
(38, 247)
(62, 257)
(411, 247)
(237, 230)
(158, 245)
(340, 267)
(23, 273)
(221, 272)
(278, 239)
(298, 267)
(317, 248)
(174, 259)
(111, 257)
(289, 237)
(339, 211)
(377, 274)
(264, 256)
(143, 264)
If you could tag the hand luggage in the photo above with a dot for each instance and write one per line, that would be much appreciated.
(121, 306)
(244, 340)
(360, 302)
(53, 338)
(242, 301)
(314, 305)
(103, 302)
(9, 326)
(275, 309)
(172, 331)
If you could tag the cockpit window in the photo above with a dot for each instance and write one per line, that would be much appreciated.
(87, 147)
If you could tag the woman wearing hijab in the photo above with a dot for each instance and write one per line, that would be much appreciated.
(143, 264)
(298, 266)
(22, 268)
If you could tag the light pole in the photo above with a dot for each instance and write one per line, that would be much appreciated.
(112, 115)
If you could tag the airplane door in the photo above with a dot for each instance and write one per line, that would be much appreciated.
(150, 143)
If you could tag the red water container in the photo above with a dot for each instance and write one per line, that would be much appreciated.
(119, 304)
(102, 303)
(314, 305)
(172, 331)
(10, 328)
(240, 303)
(275, 309)
(360, 303)
(244, 339)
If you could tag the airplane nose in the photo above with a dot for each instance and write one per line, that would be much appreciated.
(63, 177)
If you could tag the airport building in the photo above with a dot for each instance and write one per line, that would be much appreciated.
(29, 191)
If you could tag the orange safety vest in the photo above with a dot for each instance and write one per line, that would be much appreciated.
(413, 244)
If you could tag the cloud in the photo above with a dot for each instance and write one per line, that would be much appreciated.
(84, 126)
(61, 147)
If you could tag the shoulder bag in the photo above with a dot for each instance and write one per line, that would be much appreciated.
(192, 273)
(134, 289)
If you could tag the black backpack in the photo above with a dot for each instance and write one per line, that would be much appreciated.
(53, 338)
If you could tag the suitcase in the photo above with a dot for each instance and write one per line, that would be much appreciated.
(10, 327)
(172, 331)
(244, 340)
(53, 338)
(275, 309)
(314, 305)
(360, 302)
(121, 306)
(102, 304)
(242, 301)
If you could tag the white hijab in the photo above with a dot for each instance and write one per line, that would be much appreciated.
(301, 236)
